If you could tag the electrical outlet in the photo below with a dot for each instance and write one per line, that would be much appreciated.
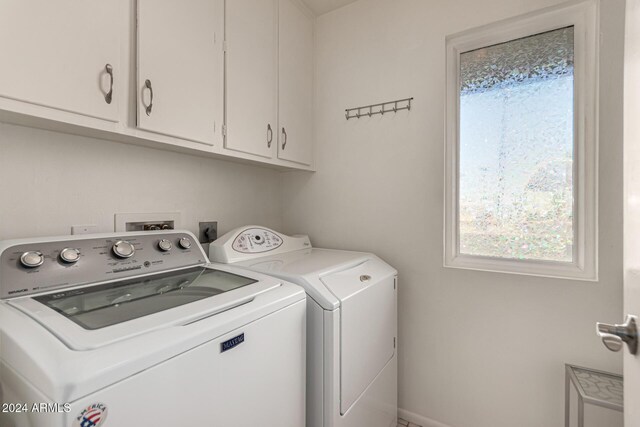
(84, 229)
(208, 231)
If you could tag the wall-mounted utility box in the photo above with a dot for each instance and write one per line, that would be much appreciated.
(147, 221)
(208, 231)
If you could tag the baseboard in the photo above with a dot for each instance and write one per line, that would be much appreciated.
(419, 419)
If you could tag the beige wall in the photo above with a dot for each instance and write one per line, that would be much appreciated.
(50, 181)
(476, 349)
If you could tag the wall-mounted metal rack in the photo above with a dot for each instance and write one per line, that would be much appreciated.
(373, 109)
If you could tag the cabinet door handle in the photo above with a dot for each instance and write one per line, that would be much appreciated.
(284, 138)
(269, 135)
(149, 107)
(109, 95)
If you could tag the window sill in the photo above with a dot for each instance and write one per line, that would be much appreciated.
(550, 269)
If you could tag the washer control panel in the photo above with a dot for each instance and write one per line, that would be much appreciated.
(38, 265)
(252, 242)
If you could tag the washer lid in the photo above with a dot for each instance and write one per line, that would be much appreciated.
(97, 315)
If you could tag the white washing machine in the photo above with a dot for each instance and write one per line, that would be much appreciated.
(126, 330)
(351, 322)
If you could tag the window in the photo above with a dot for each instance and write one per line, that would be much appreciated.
(521, 144)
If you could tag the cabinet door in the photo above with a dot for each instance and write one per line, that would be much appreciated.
(180, 68)
(295, 84)
(251, 76)
(55, 54)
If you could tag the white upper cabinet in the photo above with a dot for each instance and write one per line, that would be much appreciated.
(180, 68)
(62, 55)
(213, 77)
(295, 83)
(252, 76)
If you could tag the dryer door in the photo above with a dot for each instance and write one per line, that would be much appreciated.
(367, 327)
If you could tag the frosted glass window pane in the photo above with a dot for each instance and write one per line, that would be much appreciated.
(516, 149)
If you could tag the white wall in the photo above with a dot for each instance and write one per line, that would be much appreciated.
(476, 349)
(50, 181)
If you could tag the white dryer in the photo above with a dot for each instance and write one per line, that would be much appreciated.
(125, 330)
(351, 322)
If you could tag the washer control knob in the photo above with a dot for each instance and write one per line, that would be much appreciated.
(32, 259)
(123, 249)
(185, 243)
(165, 245)
(70, 255)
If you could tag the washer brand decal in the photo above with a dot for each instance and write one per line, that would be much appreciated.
(233, 342)
(91, 416)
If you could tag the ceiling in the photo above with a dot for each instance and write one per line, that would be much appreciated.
(323, 6)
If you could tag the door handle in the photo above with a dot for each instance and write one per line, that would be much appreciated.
(149, 107)
(284, 138)
(109, 95)
(269, 135)
(613, 336)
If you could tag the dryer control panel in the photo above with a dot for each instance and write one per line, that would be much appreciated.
(256, 240)
(250, 242)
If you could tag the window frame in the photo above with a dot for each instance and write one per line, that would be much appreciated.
(584, 17)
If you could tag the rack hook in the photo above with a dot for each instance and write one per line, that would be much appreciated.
(394, 106)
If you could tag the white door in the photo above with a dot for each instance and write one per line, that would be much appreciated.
(252, 76)
(295, 85)
(180, 68)
(367, 293)
(62, 54)
(632, 206)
